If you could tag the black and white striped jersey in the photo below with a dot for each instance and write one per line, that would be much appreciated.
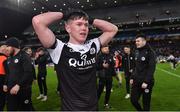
(76, 65)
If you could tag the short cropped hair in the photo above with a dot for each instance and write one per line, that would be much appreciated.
(40, 49)
(26, 48)
(127, 46)
(141, 36)
(75, 14)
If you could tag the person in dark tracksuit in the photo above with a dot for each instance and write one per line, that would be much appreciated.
(105, 72)
(128, 63)
(19, 78)
(143, 78)
(28, 50)
(41, 60)
(3, 58)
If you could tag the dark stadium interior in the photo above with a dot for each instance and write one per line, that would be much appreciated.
(158, 19)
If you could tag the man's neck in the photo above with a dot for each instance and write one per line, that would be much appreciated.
(73, 41)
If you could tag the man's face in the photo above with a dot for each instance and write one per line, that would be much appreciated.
(3, 48)
(127, 50)
(29, 51)
(78, 30)
(116, 53)
(140, 42)
(10, 51)
(41, 52)
(105, 50)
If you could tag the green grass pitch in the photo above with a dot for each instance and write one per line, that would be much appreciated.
(165, 96)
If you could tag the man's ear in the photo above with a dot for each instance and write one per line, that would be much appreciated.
(67, 27)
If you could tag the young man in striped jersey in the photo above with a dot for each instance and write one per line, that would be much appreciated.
(76, 59)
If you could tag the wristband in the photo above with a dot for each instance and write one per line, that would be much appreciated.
(91, 20)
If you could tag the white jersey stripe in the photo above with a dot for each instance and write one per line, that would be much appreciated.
(56, 53)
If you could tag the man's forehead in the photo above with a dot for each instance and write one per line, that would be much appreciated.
(139, 38)
(81, 20)
(126, 48)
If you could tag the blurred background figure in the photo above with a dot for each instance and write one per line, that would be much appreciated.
(3, 57)
(19, 78)
(29, 51)
(142, 80)
(105, 73)
(172, 61)
(128, 67)
(41, 61)
(118, 67)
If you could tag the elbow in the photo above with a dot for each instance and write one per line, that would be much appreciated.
(35, 21)
(115, 29)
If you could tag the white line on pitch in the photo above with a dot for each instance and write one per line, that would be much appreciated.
(173, 74)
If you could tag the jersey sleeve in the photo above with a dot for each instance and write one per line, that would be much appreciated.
(97, 42)
(56, 52)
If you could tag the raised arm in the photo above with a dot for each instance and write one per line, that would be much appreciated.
(109, 30)
(41, 22)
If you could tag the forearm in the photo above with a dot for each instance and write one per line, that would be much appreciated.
(102, 25)
(47, 18)
(109, 30)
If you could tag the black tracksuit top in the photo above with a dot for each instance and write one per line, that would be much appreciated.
(145, 64)
(128, 62)
(19, 71)
(105, 72)
(42, 61)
